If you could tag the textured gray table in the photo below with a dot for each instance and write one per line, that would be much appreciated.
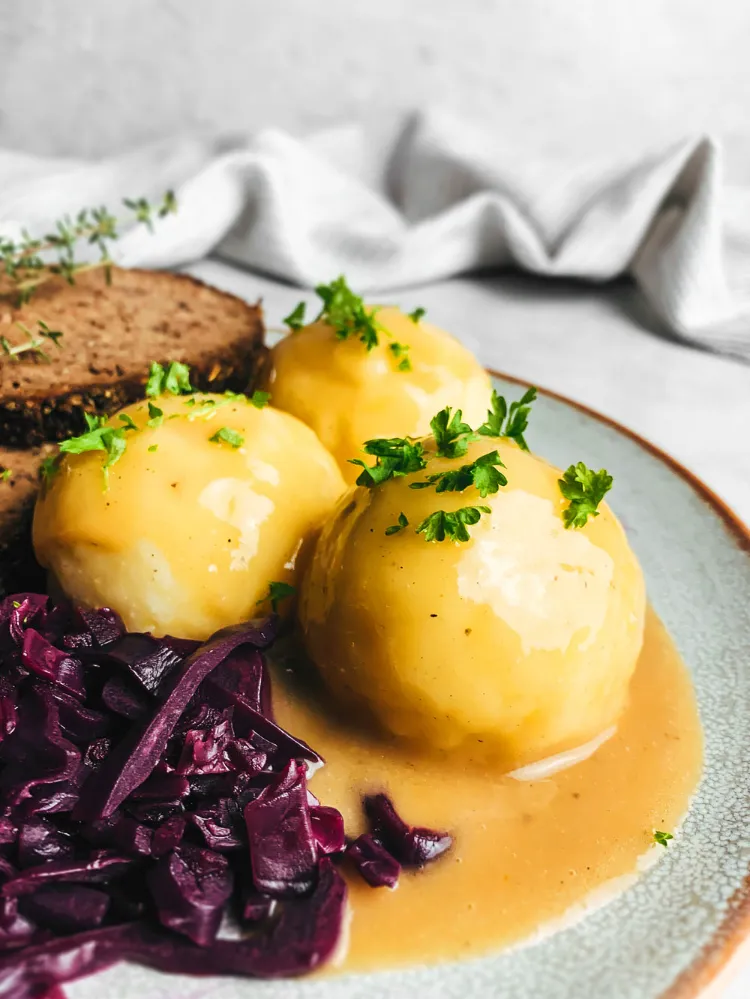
(586, 344)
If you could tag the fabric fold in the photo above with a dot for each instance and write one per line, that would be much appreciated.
(448, 198)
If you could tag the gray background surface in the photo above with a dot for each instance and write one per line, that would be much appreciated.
(93, 76)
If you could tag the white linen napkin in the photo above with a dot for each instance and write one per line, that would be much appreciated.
(436, 199)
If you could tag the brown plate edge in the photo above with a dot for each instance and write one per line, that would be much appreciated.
(735, 928)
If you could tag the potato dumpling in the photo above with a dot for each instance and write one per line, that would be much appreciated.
(517, 643)
(190, 530)
(348, 394)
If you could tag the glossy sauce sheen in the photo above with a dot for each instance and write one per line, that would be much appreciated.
(524, 852)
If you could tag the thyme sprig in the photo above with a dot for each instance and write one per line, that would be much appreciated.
(34, 344)
(30, 261)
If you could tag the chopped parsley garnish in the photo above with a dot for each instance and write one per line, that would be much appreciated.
(584, 489)
(395, 456)
(129, 422)
(226, 435)
(207, 408)
(417, 314)
(296, 318)
(100, 437)
(481, 473)
(49, 468)
(155, 416)
(258, 399)
(6, 475)
(349, 317)
(509, 421)
(452, 435)
(347, 313)
(395, 528)
(276, 593)
(662, 838)
(453, 525)
(174, 380)
(400, 352)
(154, 447)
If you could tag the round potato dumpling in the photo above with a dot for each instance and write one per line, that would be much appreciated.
(200, 514)
(517, 644)
(348, 394)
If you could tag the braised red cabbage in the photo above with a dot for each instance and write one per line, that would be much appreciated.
(66, 908)
(283, 851)
(412, 846)
(374, 862)
(147, 793)
(191, 888)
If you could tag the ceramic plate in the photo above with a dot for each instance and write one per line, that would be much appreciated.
(668, 935)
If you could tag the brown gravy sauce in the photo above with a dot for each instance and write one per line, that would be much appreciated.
(524, 852)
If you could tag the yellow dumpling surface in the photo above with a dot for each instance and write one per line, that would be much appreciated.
(190, 531)
(518, 643)
(348, 394)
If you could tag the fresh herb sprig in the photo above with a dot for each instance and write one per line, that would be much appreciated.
(172, 380)
(49, 468)
(482, 473)
(511, 421)
(350, 318)
(400, 352)
(6, 475)
(276, 593)
(296, 318)
(584, 489)
(34, 344)
(101, 437)
(451, 525)
(26, 263)
(452, 435)
(403, 521)
(662, 838)
(225, 435)
(394, 457)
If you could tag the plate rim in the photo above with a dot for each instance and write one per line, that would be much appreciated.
(734, 930)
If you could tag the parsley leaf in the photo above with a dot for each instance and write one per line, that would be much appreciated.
(395, 456)
(296, 318)
(584, 489)
(6, 475)
(347, 313)
(276, 593)
(100, 437)
(400, 352)
(227, 436)
(155, 416)
(175, 379)
(509, 421)
(480, 473)
(49, 468)
(452, 435)
(258, 399)
(417, 314)
(129, 422)
(395, 528)
(154, 447)
(662, 838)
(452, 525)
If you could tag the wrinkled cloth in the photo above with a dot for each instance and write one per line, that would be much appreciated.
(435, 198)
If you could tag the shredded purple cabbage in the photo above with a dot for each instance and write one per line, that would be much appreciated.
(412, 846)
(375, 864)
(147, 793)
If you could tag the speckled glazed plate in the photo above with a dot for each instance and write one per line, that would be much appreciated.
(668, 935)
